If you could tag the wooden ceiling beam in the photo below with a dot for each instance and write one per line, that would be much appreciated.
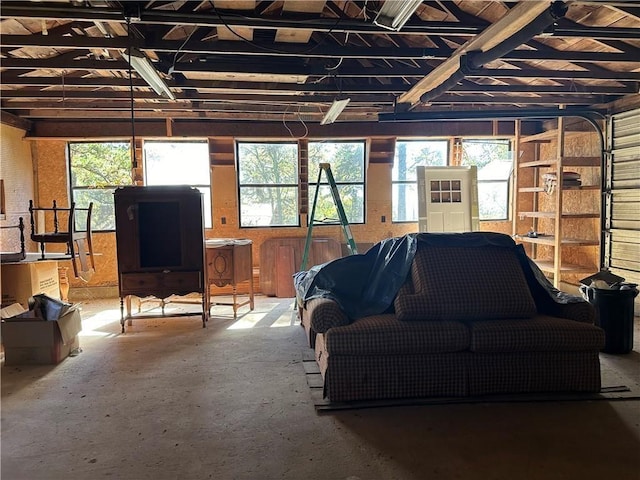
(517, 18)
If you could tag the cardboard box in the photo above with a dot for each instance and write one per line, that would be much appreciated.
(23, 280)
(29, 341)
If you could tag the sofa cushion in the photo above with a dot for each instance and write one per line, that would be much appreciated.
(541, 333)
(385, 335)
(462, 283)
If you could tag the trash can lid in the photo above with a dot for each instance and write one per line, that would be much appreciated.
(604, 275)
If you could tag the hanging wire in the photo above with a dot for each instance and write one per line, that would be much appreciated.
(134, 160)
(63, 89)
(275, 50)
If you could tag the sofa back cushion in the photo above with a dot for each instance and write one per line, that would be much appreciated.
(465, 283)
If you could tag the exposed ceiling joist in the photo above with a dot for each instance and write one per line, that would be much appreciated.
(517, 18)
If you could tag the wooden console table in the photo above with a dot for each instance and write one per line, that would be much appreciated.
(229, 262)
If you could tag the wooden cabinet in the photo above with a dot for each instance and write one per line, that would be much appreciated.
(229, 262)
(557, 199)
(160, 242)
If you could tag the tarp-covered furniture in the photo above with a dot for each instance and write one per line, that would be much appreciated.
(445, 315)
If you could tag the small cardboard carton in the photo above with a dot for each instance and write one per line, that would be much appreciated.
(30, 340)
(22, 280)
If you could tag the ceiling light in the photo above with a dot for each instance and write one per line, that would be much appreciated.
(394, 13)
(335, 110)
(146, 70)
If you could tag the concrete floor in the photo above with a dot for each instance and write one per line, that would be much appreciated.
(171, 400)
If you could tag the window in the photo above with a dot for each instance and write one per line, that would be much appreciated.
(347, 166)
(495, 163)
(96, 169)
(404, 187)
(268, 184)
(180, 163)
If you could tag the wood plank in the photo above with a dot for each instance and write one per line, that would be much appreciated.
(285, 268)
(548, 267)
(519, 16)
(550, 240)
(581, 161)
(539, 163)
(553, 215)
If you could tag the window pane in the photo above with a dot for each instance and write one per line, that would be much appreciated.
(409, 155)
(351, 196)
(493, 199)
(268, 163)
(103, 214)
(100, 164)
(405, 202)
(180, 163)
(176, 163)
(495, 163)
(97, 168)
(268, 184)
(268, 206)
(346, 160)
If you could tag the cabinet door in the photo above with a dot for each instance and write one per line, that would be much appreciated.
(126, 210)
(220, 266)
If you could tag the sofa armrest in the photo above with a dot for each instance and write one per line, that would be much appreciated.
(581, 311)
(324, 313)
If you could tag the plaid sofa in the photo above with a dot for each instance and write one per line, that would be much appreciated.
(465, 322)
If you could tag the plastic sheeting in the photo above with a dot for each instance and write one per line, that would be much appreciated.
(367, 284)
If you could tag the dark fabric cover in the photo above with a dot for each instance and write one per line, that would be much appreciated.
(462, 283)
(385, 335)
(363, 284)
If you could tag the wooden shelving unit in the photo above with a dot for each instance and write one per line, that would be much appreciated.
(554, 232)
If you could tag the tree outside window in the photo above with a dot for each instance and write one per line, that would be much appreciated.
(268, 184)
(347, 166)
(409, 155)
(180, 163)
(96, 170)
(494, 160)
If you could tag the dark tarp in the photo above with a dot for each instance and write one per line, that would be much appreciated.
(366, 284)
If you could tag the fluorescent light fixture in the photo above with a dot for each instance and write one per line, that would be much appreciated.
(146, 70)
(335, 110)
(394, 13)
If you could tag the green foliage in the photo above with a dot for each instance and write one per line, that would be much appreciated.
(481, 152)
(268, 175)
(347, 166)
(96, 169)
(100, 164)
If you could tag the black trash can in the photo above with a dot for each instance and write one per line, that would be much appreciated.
(614, 312)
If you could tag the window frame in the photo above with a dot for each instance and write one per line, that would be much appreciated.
(507, 183)
(208, 220)
(81, 225)
(447, 141)
(311, 183)
(239, 185)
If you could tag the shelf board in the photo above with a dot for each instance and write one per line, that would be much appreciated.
(553, 215)
(566, 162)
(539, 163)
(551, 241)
(548, 267)
(541, 189)
(583, 187)
(581, 161)
(546, 137)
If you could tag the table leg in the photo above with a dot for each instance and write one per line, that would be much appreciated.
(235, 304)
